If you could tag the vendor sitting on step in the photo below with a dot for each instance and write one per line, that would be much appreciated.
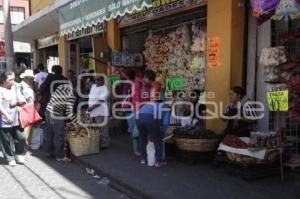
(239, 113)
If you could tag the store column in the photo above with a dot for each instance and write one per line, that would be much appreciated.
(63, 53)
(226, 21)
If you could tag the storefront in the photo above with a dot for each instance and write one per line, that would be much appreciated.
(170, 38)
(81, 45)
(47, 51)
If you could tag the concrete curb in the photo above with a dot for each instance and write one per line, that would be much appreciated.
(115, 183)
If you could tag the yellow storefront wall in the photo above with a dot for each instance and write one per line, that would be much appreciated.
(225, 20)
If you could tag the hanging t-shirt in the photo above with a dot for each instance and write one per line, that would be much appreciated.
(99, 93)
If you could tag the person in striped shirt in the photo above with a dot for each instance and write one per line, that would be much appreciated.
(58, 111)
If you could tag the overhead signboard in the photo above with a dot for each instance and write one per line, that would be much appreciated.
(91, 30)
(159, 9)
(80, 14)
(45, 42)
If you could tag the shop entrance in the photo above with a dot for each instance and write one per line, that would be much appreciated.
(48, 56)
(80, 53)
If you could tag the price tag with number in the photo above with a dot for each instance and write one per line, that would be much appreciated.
(278, 100)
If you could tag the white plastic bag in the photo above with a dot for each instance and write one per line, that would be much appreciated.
(37, 138)
(135, 132)
(150, 154)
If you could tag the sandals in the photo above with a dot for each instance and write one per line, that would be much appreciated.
(64, 159)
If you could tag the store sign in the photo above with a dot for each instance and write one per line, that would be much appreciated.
(51, 40)
(113, 79)
(174, 83)
(214, 52)
(159, 8)
(84, 13)
(91, 30)
(278, 100)
(2, 48)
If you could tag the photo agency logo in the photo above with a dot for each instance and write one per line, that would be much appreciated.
(119, 105)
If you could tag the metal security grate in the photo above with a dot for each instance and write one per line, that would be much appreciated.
(292, 127)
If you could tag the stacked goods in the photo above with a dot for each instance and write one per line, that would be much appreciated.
(263, 140)
(235, 142)
(258, 141)
(83, 141)
(195, 139)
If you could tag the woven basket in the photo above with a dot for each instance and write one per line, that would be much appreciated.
(198, 145)
(87, 145)
(271, 156)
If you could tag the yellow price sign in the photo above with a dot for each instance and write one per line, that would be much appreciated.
(278, 100)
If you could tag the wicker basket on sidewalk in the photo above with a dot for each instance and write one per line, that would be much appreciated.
(197, 145)
(84, 145)
(271, 156)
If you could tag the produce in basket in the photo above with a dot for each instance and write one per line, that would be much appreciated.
(194, 133)
(76, 131)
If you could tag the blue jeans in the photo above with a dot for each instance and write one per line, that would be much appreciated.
(148, 126)
(54, 137)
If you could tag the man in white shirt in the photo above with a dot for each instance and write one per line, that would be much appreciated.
(98, 109)
(41, 76)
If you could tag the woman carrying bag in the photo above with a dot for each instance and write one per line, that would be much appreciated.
(26, 87)
(10, 131)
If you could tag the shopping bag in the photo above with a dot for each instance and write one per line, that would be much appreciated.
(150, 154)
(28, 115)
(36, 138)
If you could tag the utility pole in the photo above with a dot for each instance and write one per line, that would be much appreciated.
(9, 46)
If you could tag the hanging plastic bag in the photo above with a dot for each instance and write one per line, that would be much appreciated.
(260, 7)
(150, 154)
(286, 9)
(135, 132)
(36, 139)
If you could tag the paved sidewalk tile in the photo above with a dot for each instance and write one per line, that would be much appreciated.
(43, 178)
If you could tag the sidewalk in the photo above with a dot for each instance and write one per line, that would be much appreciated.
(181, 181)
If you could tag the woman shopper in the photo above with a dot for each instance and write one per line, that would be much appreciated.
(26, 88)
(10, 131)
(150, 118)
(140, 95)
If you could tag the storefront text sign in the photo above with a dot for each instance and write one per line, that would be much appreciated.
(51, 40)
(159, 8)
(278, 100)
(214, 52)
(91, 30)
(84, 13)
(174, 83)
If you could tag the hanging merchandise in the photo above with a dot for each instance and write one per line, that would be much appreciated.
(181, 52)
(261, 7)
(287, 9)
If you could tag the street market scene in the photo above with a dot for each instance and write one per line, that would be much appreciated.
(150, 99)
